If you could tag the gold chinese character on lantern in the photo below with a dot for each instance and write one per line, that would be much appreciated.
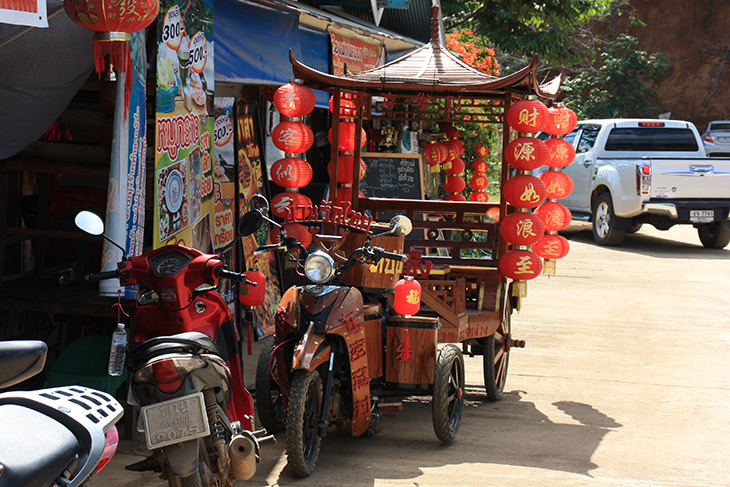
(524, 265)
(529, 118)
(525, 151)
(524, 229)
(529, 194)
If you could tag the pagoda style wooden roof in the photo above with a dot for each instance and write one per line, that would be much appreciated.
(431, 69)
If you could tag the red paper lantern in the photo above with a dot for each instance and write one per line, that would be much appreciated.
(559, 185)
(344, 168)
(455, 197)
(459, 146)
(521, 228)
(554, 215)
(551, 246)
(251, 295)
(524, 191)
(560, 153)
(456, 166)
(292, 137)
(443, 152)
(297, 203)
(526, 153)
(560, 120)
(407, 299)
(344, 194)
(451, 131)
(452, 149)
(527, 116)
(268, 92)
(520, 265)
(479, 196)
(454, 184)
(480, 167)
(478, 182)
(291, 172)
(300, 232)
(481, 150)
(294, 100)
(113, 22)
(347, 137)
(348, 107)
(432, 154)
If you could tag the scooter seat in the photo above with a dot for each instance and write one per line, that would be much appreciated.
(188, 342)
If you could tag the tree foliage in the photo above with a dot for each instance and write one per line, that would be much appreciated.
(548, 28)
(474, 51)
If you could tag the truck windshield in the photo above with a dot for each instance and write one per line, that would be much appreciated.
(651, 139)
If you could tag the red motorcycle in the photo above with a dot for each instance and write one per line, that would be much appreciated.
(185, 366)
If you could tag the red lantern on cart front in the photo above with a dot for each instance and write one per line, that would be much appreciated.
(560, 153)
(521, 228)
(521, 265)
(294, 100)
(561, 120)
(526, 153)
(454, 184)
(290, 201)
(478, 182)
(480, 166)
(456, 166)
(347, 137)
(292, 137)
(524, 191)
(554, 215)
(558, 184)
(344, 168)
(527, 116)
(253, 295)
(407, 299)
(551, 246)
(291, 172)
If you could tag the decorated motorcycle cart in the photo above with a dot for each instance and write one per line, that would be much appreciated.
(366, 332)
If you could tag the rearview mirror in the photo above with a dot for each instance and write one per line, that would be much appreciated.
(401, 225)
(89, 222)
(250, 222)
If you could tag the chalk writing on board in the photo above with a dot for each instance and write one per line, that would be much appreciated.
(392, 176)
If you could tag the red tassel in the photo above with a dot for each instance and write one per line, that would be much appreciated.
(120, 58)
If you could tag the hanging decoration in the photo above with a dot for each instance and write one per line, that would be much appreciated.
(347, 137)
(551, 247)
(522, 228)
(456, 167)
(407, 299)
(560, 153)
(294, 100)
(344, 168)
(346, 146)
(292, 137)
(253, 294)
(558, 185)
(291, 172)
(528, 115)
(520, 265)
(561, 120)
(524, 191)
(290, 201)
(526, 153)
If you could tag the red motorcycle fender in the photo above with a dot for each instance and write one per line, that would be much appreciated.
(182, 458)
(311, 352)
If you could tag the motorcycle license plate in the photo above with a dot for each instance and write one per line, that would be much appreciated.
(174, 421)
(701, 216)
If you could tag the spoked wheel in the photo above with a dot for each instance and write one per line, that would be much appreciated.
(269, 402)
(496, 354)
(713, 236)
(302, 422)
(448, 393)
(604, 222)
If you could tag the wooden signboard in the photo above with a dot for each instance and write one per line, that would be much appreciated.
(392, 176)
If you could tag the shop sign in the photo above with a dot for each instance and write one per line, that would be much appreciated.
(356, 54)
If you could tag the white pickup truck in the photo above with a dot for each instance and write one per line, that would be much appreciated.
(628, 172)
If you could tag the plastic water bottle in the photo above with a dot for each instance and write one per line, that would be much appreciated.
(117, 351)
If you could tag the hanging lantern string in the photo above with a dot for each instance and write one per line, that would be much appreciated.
(120, 308)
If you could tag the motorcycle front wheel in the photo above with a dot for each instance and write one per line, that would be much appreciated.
(303, 422)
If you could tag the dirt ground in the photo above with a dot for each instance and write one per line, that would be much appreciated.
(624, 382)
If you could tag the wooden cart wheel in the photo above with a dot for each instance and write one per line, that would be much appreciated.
(448, 393)
(269, 402)
(496, 353)
(302, 422)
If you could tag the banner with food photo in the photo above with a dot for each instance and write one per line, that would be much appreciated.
(251, 181)
(185, 122)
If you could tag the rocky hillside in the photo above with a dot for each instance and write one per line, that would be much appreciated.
(696, 37)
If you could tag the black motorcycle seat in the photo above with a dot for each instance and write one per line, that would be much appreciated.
(35, 449)
(187, 342)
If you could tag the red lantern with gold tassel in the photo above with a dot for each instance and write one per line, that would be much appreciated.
(113, 22)
(478, 182)
(291, 172)
(455, 197)
(432, 154)
(554, 215)
(454, 184)
(292, 137)
(479, 196)
(347, 137)
(407, 299)
(524, 191)
(560, 153)
(456, 166)
(520, 265)
(527, 116)
(558, 184)
(253, 294)
(561, 120)
(481, 151)
(551, 246)
(344, 168)
(521, 228)
(526, 153)
(294, 100)
(480, 166)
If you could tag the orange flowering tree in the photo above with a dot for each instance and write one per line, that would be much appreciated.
(473, 51)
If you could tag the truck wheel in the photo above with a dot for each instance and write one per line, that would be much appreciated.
(713, 236)
(269, 402)
(302, 422)
(604, 230)
(448, 393)
(635, 228)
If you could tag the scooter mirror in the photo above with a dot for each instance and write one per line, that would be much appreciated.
(89, 222)
(401, 225)
(260, 203)
(250, 222)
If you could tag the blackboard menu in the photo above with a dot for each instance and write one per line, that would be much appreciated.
(392, 176)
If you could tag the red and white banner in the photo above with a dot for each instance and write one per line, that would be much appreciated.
(356, 54)
(24, 12)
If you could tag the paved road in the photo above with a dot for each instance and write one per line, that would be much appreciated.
(624, 382)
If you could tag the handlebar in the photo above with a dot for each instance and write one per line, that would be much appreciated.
(222, 273)
(100, 276)
(379, 253)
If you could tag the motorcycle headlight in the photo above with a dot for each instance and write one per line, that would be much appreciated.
(319, 267)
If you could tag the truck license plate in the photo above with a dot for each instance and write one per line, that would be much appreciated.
(701, 216)
(174, 421)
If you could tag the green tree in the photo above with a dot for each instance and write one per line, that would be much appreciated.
(552, 29)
